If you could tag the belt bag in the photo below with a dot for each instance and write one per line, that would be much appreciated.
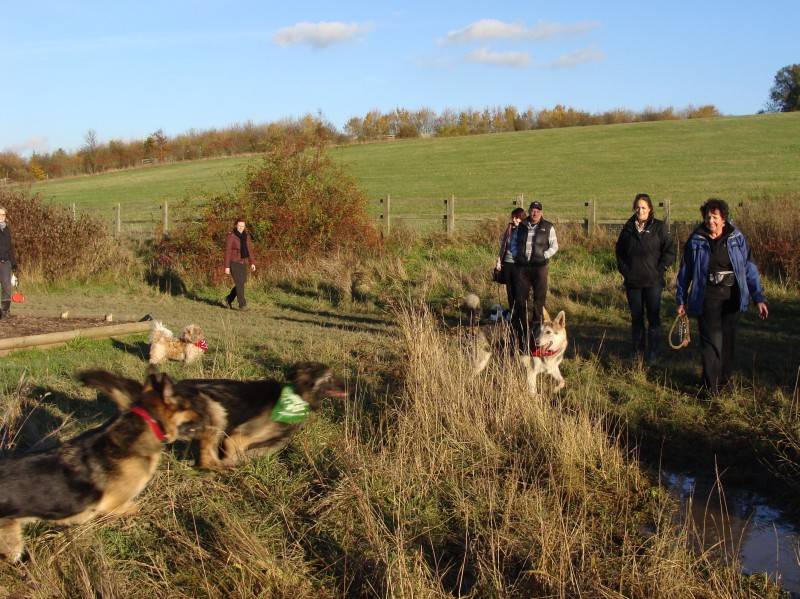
(723, 278)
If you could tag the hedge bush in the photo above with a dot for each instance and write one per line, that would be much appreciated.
(298, 204)
(53, 245)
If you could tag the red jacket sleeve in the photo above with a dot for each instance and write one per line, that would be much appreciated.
(230, 241)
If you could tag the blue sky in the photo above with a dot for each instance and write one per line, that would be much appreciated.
(126, 69)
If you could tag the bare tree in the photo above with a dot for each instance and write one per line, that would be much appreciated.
(89, 151)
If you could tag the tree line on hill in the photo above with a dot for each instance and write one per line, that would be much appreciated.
(96, 157)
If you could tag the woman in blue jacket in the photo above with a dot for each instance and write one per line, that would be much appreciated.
(716, 282)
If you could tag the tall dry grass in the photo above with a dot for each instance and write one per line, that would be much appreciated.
(469, 487)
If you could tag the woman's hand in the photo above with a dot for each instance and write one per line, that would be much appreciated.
(227, 271)
(763, 311)
(498, 265)
(253, 267)
(681, 310)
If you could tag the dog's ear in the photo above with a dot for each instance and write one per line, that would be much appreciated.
(121, 390)
(161, 385)
(545, 315)
(304, 375)
(561, 319)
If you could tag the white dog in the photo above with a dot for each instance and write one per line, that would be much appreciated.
(547, 350)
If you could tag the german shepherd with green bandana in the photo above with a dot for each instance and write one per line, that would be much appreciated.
(245, 417)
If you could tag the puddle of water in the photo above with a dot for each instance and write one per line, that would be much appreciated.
(741, 522)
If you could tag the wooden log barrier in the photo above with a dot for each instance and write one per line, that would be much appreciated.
(61, 337)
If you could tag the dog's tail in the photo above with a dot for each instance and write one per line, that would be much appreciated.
(159, 331)
(471, 305)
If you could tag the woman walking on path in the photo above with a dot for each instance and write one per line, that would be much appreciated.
(716, 281)
(505, 260)
(644, 252)
(238, 259)
(8, 264)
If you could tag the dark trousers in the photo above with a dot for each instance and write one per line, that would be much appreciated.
(5, 286)
(507, 267)
(239, 274)
(717, 326)
(525, 279)
(645, 301)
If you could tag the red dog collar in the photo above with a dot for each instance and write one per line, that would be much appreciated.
(540, 352)
(154, 426)
(202, 345)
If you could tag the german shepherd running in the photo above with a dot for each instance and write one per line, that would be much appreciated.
(98, 472)
(242, 416)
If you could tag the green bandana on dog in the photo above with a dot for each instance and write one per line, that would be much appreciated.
(291, 408)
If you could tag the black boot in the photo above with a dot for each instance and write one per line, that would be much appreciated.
(653, 345)
(5, 310)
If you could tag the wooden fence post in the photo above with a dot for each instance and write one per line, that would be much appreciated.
(518, 203)
(385, 215)
(591, 217)
(450, 215)
(666, 206)
(118, 220)
(165, 218)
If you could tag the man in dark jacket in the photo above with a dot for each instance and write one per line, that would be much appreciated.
(644, 252)
(8, 264)
(533, 245)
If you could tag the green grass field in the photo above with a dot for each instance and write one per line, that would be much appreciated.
(428, 481)
(685, 161)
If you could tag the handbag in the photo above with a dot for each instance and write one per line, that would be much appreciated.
(17, 296)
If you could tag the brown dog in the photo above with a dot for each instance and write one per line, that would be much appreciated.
(188, 348)
(96, 473)
(242, 416)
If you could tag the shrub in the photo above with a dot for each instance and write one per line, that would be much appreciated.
(50, 243)
(772, 228)
(298, 204)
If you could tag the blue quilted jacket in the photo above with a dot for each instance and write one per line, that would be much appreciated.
(693, 273)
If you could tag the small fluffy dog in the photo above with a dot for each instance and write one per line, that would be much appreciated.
(188, 348)
(242, 416)
(546, 354)
(98, 472)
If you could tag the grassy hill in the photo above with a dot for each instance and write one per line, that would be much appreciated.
(685, 161)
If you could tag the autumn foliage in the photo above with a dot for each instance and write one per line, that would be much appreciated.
(52, 244)
(297, 203)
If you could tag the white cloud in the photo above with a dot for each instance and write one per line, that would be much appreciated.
(319, 35)
(484, 30)
(577, 57)
(506, 59)
(492, 29)
(36, 143)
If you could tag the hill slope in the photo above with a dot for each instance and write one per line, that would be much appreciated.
(685, 161)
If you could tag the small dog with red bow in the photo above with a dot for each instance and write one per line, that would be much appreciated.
(188, 348)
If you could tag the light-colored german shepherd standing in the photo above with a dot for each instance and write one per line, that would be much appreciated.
(547, 350)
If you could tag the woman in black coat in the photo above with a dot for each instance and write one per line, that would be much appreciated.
(644, 252)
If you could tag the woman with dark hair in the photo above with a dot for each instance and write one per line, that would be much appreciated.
(238, 258)
(505, 260)
(716, 281)
(644, 252)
